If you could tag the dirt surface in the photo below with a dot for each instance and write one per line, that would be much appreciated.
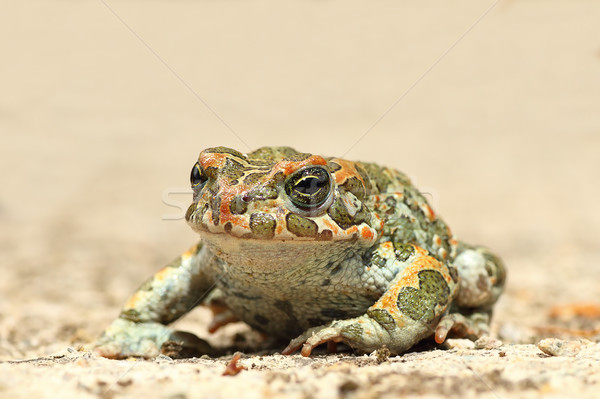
(104, 105)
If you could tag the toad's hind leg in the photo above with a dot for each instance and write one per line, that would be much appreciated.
(482, 280)
(141, 328)
(404, 315)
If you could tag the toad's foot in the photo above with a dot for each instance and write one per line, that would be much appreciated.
(221, 317)
(125, 338)
(460, 326)
(312, 338)
(362, 333)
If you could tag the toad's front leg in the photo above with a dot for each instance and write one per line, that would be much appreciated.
(141, 328)
(405, 314)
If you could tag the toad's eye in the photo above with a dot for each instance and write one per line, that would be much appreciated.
(308, 188)
(197, 179)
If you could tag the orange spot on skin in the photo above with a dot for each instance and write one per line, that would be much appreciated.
(388, 300)
(420, 251)
(134, 300)
(443, 253)
(190, 252)
(367, 233)
(225, 208)
(429, 212)
(162, 274)
(348, 170)
(331, 226)
(207, 160)
(279, 229)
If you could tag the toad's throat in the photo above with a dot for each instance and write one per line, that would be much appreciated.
(273, 255)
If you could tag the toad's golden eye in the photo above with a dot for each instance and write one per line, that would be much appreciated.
(197, 178)
(308, 188)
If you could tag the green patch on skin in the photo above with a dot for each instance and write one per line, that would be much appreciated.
(420, 304)
(131, 315)
(353, 331)
(403, 251)
(400, 228)
(453, 273)
(354, 186)
(215, 205)
(253, 178)
(416, 227)
(232, 170)
(299, 157)
(339, 213)
(238, 206)
(262, 225)
(224, 150)
(377, 260)
(383, 317)
(272, 154)
(333, 166)
(263, 192)
(391, 202)
(301, 226)
(365, 176)
(381, 181)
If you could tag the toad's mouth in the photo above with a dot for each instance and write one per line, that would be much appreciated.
(278, 225)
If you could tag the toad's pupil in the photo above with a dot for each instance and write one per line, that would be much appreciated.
(196, 176)
(310, 185)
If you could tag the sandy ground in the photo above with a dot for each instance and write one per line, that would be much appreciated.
(104, 106)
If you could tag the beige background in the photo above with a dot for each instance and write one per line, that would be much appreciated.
(103, 111)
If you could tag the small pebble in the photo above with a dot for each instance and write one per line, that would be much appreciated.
(561, 347)
(487, 342)
(456, 343)
(163, 359)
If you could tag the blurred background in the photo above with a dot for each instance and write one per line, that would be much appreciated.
(493, 108)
